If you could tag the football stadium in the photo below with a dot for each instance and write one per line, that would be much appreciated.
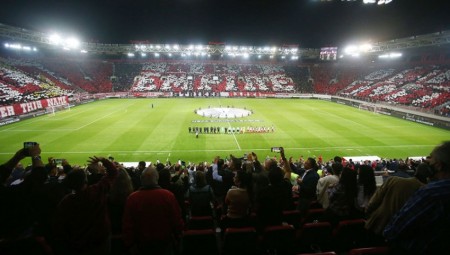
(226, 146)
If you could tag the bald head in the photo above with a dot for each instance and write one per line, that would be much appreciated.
(149, 176)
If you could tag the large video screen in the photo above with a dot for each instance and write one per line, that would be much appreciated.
(328, 53)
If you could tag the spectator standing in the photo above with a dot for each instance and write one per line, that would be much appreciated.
(152, 221)
(82, 224)
(331, 179)
(390, 197)
(366, 186)
(422, 226)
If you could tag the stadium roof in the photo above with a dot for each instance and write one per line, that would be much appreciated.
(307, 23)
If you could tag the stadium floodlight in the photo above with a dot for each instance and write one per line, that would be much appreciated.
(158, 47)
(273, 49)
(15, 46)
(350, 49)
(259, 56)
(365, 47)
(245, 55)
(157, 54)
(266, 48)
(34, 49)
(369, 1)
(170, 55)
(176, 47)
(199, 47)
(167, 47)
(191, 47)
(391, 55)
(130, 54)
(271, 56)
(380, 2)
(227, 48)
(55, 39)
(143, 54)
(283, 57)
(27, 48)
(72, 43)
(387, 1)
(294, 58)
(83, 51)
(235, 48)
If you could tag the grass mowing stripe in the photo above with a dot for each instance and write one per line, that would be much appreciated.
(138, 132)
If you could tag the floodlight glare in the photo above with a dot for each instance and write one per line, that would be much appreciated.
(143, 54)
(158, 47)
(387, 1)
(130, 54)
(55, 39)
(369, 1)
(156, 54)
(227, 48)
(365, 47)
(245, 55)
(380, 2)
(350, 49)
(170, 54)
(72, 43)
(176, 47)
(259, 56)
(83, 51)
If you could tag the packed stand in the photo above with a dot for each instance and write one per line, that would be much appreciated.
(236, 205)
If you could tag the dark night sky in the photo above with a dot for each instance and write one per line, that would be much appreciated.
(307, 23)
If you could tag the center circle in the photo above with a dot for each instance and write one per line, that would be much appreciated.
(224, 113)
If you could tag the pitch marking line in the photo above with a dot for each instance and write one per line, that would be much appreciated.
(227, 150)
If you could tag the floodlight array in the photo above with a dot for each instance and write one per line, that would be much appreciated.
(356, 50)
(222, 50)
(378, 2)
(68, 44)
(18, 46)
(391, 55)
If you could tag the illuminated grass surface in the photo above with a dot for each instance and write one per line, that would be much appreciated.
(131, 130)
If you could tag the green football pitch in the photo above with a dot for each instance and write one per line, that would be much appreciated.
(131, 130)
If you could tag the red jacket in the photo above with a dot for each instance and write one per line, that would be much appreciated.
(151, 215)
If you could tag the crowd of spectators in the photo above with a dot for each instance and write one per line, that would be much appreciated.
(424, 86)
(106, 208)
(19, 84)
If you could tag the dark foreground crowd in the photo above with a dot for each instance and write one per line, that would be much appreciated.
(106, 208)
